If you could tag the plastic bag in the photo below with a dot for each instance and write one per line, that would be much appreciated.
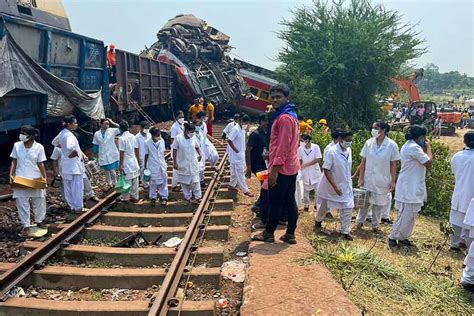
(123, 186)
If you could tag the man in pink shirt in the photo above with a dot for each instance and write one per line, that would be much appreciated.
(283, 165)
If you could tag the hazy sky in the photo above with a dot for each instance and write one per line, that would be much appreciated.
(447, 25)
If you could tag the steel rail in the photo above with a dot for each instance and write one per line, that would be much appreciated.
(165, 298)
(34, 260)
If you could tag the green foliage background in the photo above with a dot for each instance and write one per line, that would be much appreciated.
(439, 180)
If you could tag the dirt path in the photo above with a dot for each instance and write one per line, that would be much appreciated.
(456, 142)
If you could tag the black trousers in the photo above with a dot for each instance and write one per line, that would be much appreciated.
(282, 201)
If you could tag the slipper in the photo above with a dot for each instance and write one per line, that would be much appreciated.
(263, 236)
(249, 194)
(288, 238)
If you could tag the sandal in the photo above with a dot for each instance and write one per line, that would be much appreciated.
(263, 236)
(288, 238)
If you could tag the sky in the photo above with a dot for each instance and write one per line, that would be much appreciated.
(446, 25)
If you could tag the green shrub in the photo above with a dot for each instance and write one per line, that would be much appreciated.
(439, 180)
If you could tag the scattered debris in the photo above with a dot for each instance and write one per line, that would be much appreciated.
(222, 303)
(234, 270)
(241, 254)
(17, 291)
(173, 242)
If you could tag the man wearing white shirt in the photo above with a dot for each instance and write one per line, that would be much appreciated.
(142, 137)
(176, 129)
(128, 147)
(310, 156)
(236, 143)
(462, 165)
(155, 162)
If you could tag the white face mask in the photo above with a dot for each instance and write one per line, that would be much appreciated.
(244, 127)
(181, 120)
(346, 144)
(205, 119)
(191, 134)
(375, 132)
(23, 138)
(146, 130)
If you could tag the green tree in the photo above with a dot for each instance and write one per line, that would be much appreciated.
(338, 57)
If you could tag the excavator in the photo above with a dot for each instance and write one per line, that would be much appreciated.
(408, 85)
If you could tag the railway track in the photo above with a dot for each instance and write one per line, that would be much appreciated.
(84, 267)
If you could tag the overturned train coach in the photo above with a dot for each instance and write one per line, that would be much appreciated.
(47, 71)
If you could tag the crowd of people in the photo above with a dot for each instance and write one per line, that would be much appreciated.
(290, 167)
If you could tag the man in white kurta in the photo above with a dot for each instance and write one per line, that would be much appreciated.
(27, 161)
(107, 152)
(309, 155)
(338, 161)
(410, 191)
(72, 169)
(128, 145)
(186, 151)
(237, 158)
(462, 165)
(155, 162)
(142, 137)
(176, 129)
(377, 161)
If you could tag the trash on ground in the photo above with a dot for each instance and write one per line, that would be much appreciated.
(234, 270)
(173, 242)
(222, 303)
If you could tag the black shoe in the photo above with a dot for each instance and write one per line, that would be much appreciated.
(153, 202)
(318, 227)
(387, 221)
(392, 243)
(283, 223)
(369, 219)
(329, 215)
(406, 243)
(456, 249)
(306, 209)
(347, 237)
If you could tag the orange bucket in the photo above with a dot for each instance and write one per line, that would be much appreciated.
(262, 175)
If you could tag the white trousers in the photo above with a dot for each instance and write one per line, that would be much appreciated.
(345, 216)
(403, 227)
(307, 190)
(237, 176)
(191, 189)
(38, 204)
(88, 192)
(158, 185)
(468, 272)
(388, 210)
(377, 211)
(74, 191)
(133, 189)
(111, 177)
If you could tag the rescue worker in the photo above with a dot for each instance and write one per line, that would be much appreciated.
(72, 168)
(335, 189)
(142, 137)
(112, 63)
(106, 151)
(28, 159)
(467, 278)
(129, 156)
(236, 143)
(176, 129)
(462, 165)
(310, 156)
(324, 123)
(306, 127)
(155, 162)
(209, 106)
(410, 191)
(378, 173)
(208, 149)
(195, 109)
(188, 153)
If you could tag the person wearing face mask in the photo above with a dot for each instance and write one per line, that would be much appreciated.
(28, 159)
(335, 188)
(187, 153)
(176, 129)
(377, 173)
(229, 127)
(462, 165)
(129, 156)
(142, 137)
(194, 109)
(208, 149)
(155, 162)
(310, 156)
(236, 142)
(72, 167)
(106, 151)
(410, 191)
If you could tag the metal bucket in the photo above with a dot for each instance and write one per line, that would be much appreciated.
(146, 175)
(361, 198)
(92, 167)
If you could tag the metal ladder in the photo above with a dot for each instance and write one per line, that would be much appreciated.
(141, 111)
